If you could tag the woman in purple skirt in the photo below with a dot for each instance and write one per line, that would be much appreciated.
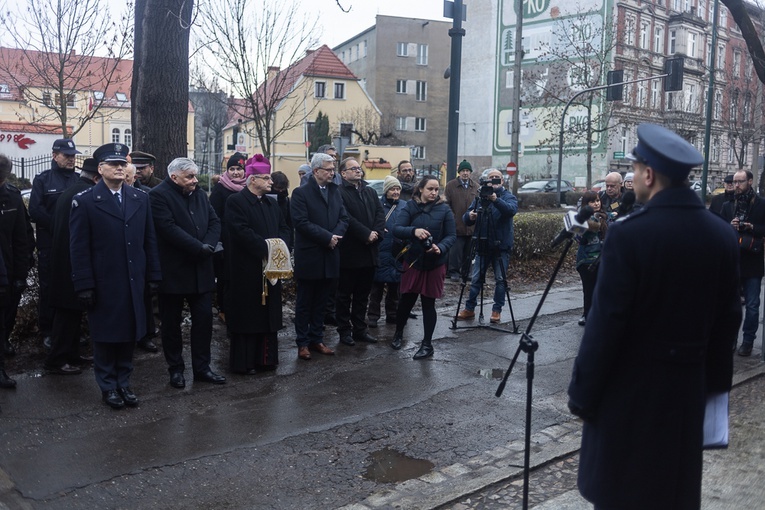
(427, 223)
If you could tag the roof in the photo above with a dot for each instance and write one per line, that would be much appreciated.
(25, 127)
(373, 163)
(319, 63)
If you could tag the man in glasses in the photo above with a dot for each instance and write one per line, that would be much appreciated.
(611, 197)
(358, 254)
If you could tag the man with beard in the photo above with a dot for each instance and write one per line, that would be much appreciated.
(405, 176)
(46, 190)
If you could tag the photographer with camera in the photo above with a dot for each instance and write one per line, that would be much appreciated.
(427, 223)
(746, 214)
(492, 214)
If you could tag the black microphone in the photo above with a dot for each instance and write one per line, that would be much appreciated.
(574, 223)
(627, 203)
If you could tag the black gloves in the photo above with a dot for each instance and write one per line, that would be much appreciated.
(87, 298)
(153, 287)
(206, 251)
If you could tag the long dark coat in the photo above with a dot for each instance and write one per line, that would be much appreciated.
(365, 214)
(114, 251)
(184, 224)
(752, 265)
(389, 270)
(15, 244)
(316, 221)
(249, 222)
(659, 338)
(435, 217)
(62, 293)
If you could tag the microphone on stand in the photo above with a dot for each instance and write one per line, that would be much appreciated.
(574, 223)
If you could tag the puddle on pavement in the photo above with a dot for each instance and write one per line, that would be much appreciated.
(491, 373)
(388, 465)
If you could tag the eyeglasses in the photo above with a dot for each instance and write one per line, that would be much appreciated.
(263, 177)
(330, 169)
(353, 168)
(739, 182)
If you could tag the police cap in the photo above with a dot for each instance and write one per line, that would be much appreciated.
(142, 159)
(665, 151)
(111, 152)
(65, 146)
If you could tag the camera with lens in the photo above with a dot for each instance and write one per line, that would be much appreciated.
(427, 243)
(487, 187)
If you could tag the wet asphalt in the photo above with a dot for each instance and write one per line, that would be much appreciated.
(308, 435)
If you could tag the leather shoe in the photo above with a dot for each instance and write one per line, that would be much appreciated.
(65, 369)
(583, 321)
(398, 339)
(128, 396)
(495, 317)
(209, 377)
(5, 381)
(113, 399)
(347, 340)
(177, 380)
(745, 349)
(303, 353)
(365, 337)
(321, 348)
(465, 315)
(424, 351)
(412, 315)
(147, 345)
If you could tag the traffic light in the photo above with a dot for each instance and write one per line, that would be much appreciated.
(615, 92)
(674, 68)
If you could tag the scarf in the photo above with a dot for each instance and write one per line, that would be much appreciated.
(232, 184)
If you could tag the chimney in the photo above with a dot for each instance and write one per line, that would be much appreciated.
(272, 72)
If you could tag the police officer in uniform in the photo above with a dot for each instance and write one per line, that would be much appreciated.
(46, 189)
(144, 168)
(665, 313)
(114, 256)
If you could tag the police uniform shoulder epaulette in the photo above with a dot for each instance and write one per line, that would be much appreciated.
(87, 190)
(76, 204)
(631, 215)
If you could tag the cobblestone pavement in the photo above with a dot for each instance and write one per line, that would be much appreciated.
(559, 476)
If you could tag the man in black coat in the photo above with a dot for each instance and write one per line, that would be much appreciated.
(718, 201)
(746, 215)
(14, 248)
(658, 338)
(359, 253)
(64, 356)
(46, 189)
(320, 222)
(144, 168)
(187, 232)
(114, 256)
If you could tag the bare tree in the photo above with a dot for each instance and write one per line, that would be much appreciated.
(160, 88)
(740, 11)
(368, 126)
(249, 43)
(67, 47)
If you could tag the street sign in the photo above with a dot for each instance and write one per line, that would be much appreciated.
(449, 10)
(619, 155)
(512, 169)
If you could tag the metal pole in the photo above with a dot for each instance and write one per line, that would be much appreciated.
(456, 33)
(710, 103)
(514, 142)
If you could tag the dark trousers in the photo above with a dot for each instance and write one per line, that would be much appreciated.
(353, 289)
(171, 315)
(310, 301)
(113, 364)
(65, 337)
(44, 308)
(588, 285)
(375, 300)
(149, 307)
(459, 255)
(429, 314)
(10, 312)
(221, 284)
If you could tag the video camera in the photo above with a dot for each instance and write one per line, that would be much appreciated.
(487, 187)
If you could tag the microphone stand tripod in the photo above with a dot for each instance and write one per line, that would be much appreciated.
(528, 345)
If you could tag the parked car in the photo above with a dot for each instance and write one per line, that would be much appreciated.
(377, 185)
(549, 186)
(598, 186)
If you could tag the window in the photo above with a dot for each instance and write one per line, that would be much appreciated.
(655, 93)
(687, 5)
(676, 5)
(644, 36)
(691, 42)
(747, 107)
(624, 139)
(658, 40)
(641, 95)
(402, 49)
(320, 89)
(721, 57)
(422, 91)
(419, 124)
(630, 29)
(418, 152)
(672, 41)
(346, 129)
(339, 90)
(115, 135)
(736, 63)
(718, 105)
(422, 54)
(733, 106)
(401, 86)
(121, 96)
(364, 48)
(723, 16)
(46, 99)
(98, 95)
(401, 123)
(128, 137)
(690, 105)
(70, 100)
(709, 54)
(716, 149)
(731, 149)
(702, 10)
(342, 57)
(670, 100)
(4, 88)
(309, 127)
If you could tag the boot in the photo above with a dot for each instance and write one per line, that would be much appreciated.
(425, 350)
(398, 339)
(5, 381)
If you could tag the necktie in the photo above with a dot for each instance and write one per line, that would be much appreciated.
(324, 194)
(118, 196)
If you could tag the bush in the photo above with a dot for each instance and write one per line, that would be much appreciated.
(19, 182)
(534, 232)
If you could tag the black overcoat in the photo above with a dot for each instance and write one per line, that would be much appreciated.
(15, 244)
(184, 224)
(316, 221)
(659, 337)
(365, 214)
(114, 251)
(249, 222)
(62, 293)
(752, 265)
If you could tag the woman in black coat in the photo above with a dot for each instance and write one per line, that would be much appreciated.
(427, 222)
(231, 181)
(251, 218)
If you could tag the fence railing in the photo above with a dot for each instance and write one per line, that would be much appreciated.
(28, 168)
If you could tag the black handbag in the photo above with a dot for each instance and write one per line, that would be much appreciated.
(750, 243)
